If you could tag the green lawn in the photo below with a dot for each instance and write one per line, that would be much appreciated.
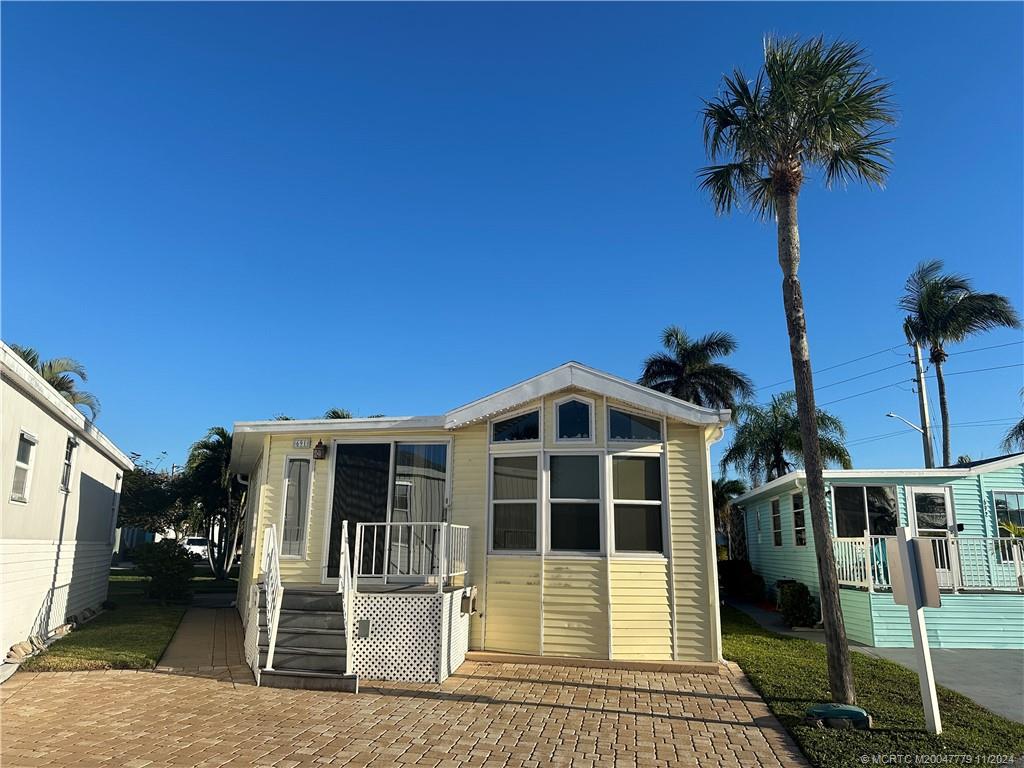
(131, 635)
(790, 673)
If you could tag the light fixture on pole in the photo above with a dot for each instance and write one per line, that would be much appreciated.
(929, 459)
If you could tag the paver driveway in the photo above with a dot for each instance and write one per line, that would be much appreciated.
(486, 714)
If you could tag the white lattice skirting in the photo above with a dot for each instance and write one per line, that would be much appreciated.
(418, 638)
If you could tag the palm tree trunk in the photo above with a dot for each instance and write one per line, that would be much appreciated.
(840, 670)
(940, 381)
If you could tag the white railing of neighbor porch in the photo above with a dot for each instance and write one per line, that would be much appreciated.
(962, 563)
(433, 553)
(252, 632)
(274, 590)
(347, 590)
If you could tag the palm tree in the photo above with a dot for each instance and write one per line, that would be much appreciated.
(58, 373)
(943, 308)
(767, 443)
(337, 413)
(1013, 440)
(814, 106)
(688, 369)
(723, 491)
(208, 487)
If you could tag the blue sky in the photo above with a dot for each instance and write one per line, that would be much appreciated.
(231, 211)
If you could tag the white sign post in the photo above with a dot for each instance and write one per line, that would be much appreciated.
(915, 584)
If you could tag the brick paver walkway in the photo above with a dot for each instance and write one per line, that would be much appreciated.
(485, 715)
(208, 643)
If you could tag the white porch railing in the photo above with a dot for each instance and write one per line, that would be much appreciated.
(430, 553)
(962, 563)
(274, 590)
(347, 590)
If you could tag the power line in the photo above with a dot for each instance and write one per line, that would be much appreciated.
(903, 381)
(860, 376)
(982, 349)
(833, 367)
(980, 370)
(865, 392)
(886, 435)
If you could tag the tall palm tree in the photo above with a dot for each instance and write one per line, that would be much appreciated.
(813, 107)
(1013, 440)
(337, 413)
(768, 440)
(58, 373)
(943, 308)
(208, 487)
(688, 369)
(723, 491)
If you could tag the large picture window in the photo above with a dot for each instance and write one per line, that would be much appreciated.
(860, 508)
(296, 501)
(525, 426)
(575, 515)
(637, 507)
(514, 503)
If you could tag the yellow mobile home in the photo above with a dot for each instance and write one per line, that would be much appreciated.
(567, 516)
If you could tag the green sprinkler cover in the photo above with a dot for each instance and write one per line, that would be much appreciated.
(839, 716)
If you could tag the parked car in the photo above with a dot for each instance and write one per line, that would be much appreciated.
(197, 546)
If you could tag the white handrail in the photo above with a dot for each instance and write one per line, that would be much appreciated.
(346, 588)
(419, 551)
(274, 589)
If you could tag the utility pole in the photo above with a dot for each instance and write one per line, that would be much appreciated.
(922, 401)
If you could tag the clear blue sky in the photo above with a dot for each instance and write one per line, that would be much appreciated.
(231, 211)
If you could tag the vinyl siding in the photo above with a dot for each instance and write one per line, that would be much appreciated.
(963, 621)
(857, 615)
(576, 607)
(469, 507)
(640, 609)
(688, 483)
(513, 606)
(788, 561)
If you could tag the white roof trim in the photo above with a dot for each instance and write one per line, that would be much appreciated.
(313, 426)
(591, 380)
(36, 387)
(781, 483)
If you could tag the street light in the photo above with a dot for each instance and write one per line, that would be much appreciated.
(929, 459)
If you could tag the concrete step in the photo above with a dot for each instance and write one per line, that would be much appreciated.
(310, 681)
(305, 659)
(331, 639)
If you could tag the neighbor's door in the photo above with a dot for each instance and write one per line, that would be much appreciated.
(362, 475)
(931, 511)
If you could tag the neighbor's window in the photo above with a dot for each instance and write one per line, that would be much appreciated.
(799, 521)
(69, 455)
(296, 500)
(776, 523)
(860, 508)
(514, 503)
(23, 467)
(572, 420)
(525, 426)
(628, 426)
(636, 491)
(575, 515)
(403, 492)
(1009, 509)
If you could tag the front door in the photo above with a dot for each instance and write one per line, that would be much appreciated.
(362, 474)
(931, 511)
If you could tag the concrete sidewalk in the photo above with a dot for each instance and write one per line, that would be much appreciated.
(993, 678)
(208, 643)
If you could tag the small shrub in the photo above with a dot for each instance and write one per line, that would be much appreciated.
(169, 568)
(797, 606)
(739, 581)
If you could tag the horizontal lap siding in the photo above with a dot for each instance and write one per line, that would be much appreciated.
(576, 608)
(963, 621)
(78, 580)
(1011, 478)
(788, 561)
(469, 507)
(688, 514)
(857, 615)
(641, 610)
(512, 608)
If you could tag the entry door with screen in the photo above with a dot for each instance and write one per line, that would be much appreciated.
(932, 513)
(362, 472)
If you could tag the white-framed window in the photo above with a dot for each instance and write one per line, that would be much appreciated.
(799, 520)
(23, 460)
(403, 496)
(574, 420)
(859, 508)
(522, 427)
(515, 486)
(69, 462)
(757, 521)
(1009, 508)
(574, 502)
(630, 427)
(637, 504)
(776, 523)
(296, 506)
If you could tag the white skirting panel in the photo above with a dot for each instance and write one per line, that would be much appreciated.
(419, 638)
(42, 583)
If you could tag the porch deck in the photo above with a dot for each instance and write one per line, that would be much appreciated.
(369, 587)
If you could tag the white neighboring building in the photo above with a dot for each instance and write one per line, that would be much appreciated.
(61, 484)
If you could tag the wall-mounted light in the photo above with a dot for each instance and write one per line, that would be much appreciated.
(319, 450)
